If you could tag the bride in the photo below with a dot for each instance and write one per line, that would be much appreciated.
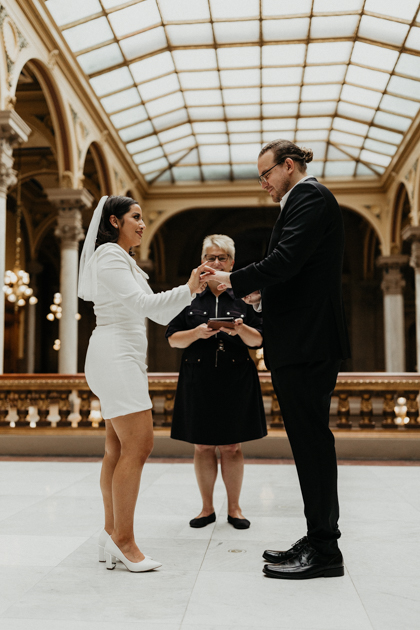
(116, 363)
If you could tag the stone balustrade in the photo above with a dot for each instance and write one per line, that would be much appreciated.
(368, 401)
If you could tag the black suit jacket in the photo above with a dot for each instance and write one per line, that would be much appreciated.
(300, 280)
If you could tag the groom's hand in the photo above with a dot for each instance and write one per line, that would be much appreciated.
(222, 277)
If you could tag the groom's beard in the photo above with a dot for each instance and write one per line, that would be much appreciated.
(276, 195)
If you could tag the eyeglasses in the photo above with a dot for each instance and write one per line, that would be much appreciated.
(221, 259)
(263, 178)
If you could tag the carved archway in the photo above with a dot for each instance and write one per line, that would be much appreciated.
(58, 113)
(102, 168)
(400, 211)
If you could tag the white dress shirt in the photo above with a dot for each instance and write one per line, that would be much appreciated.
(285, 197)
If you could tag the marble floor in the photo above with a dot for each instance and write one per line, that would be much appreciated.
(50, 579)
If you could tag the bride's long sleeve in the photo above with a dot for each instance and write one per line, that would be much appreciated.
(116, 275)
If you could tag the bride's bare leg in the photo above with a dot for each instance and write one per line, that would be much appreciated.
(110, 460)
(135, 433)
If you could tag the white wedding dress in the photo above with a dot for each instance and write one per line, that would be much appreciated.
(116, 358)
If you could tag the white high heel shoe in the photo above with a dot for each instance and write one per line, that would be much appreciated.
(103, 537)
(113, 553)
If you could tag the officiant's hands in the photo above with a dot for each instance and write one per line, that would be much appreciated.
(253, 298)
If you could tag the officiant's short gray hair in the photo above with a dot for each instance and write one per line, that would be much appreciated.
(283, 149)
(219, 240)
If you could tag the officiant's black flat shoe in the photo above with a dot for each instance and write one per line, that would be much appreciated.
(203, 521)
(239, 523)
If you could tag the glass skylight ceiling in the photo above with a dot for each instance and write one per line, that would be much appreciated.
(196, 87)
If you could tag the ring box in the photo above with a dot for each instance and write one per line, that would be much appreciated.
(221, 322)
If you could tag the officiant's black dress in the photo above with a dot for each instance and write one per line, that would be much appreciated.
(218, 399)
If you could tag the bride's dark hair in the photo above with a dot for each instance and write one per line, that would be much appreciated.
(117, 206)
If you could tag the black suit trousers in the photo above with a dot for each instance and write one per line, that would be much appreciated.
(304, 394)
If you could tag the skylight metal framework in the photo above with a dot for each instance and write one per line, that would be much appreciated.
(196, 87)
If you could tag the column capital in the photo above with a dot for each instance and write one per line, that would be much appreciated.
(13, 131)
(13, 128)
(394, 261)
(69, 198)
(69, 228)
(412, 233)
(69, 202)
(393, 283)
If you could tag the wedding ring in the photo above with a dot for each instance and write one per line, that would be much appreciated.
(229, 333)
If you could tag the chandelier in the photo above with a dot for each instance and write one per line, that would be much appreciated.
(56, 312)
(16, 283)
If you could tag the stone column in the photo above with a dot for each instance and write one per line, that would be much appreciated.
(69, 230)
(392, 287)
(13, 131)
(412, 233)
(34, 268)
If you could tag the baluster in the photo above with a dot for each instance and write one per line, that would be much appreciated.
(412, 411)
(33, 402)
(343, 411)
(84, 409)
(42, 401)
(54, 415)
(22, 404)
(366, 421)
(4, 410)
(389, 412)
(95, 413)
(168, 407)
(102, 424)
(158, 421)
(276, 417)
(64, 409)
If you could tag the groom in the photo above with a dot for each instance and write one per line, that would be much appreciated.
(298, 288)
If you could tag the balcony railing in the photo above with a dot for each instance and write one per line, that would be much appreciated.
(369, 401)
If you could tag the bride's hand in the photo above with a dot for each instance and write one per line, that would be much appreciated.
(196, 282)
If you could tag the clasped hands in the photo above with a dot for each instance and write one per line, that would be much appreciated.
(223, 277)
(203, 273)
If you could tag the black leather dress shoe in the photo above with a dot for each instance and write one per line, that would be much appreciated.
(203, 521)
(281, 556)
(239, 523)
(305, 564)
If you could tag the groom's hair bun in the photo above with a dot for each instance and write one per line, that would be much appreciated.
(284, 149)
(308, 155)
